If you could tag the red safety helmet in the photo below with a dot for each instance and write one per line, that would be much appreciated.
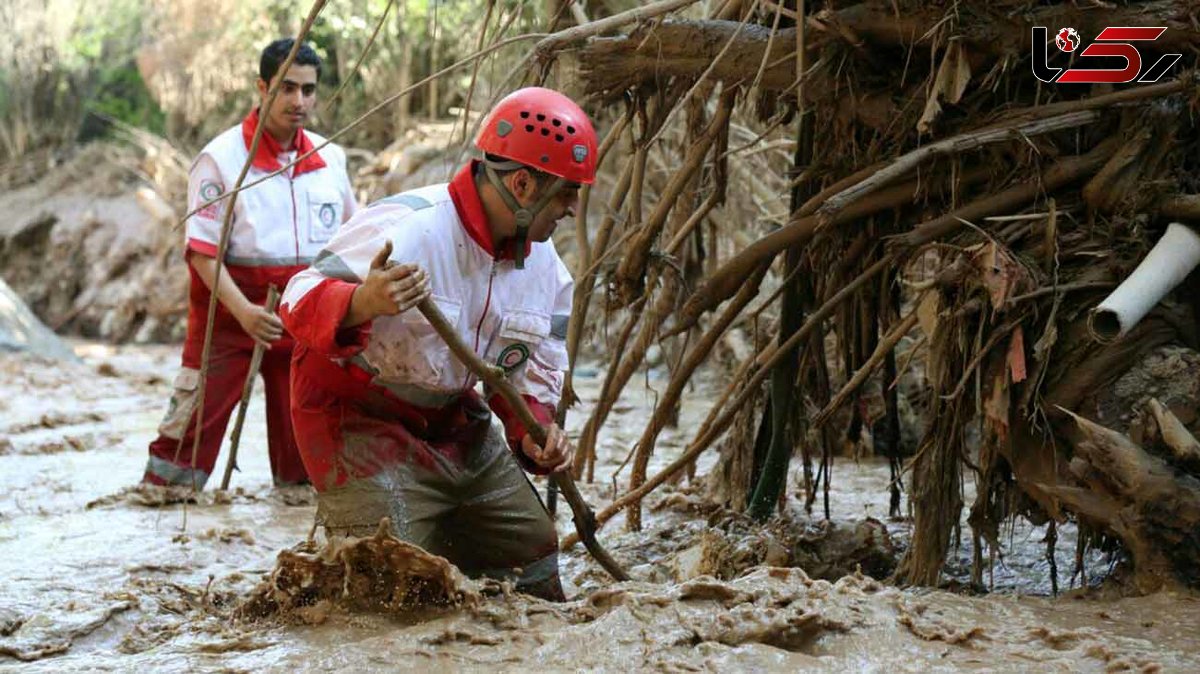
(543, 130)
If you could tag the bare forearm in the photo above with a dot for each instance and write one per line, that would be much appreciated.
(359, 311)
(261, 325)
(228, 292)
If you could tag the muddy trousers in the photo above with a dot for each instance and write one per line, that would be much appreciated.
(484, 515)
(171, 463)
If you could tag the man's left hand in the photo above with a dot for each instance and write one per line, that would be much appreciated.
(556, 455)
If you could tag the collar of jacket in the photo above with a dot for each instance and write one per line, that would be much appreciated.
(267, 157)
(465, 195)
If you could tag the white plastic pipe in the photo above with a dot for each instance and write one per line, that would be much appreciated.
(1175, 255)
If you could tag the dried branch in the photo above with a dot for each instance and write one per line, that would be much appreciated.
(729, 52)
(873, 363)
(256, 357)
(546, 48)
(633, 265)
(1064, 172)
(721, 285)
(955, 145)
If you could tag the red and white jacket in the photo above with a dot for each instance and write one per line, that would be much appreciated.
(514, 318)
(278, 226)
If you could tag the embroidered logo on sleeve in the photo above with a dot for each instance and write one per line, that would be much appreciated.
(512, 357)
(209, 190)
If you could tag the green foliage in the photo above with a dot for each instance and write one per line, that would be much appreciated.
(72, 60)
(123, 95)
(69, 58)
(105, 30)
(104, 47)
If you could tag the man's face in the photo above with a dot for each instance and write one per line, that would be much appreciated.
(296, 98)
(564, 204)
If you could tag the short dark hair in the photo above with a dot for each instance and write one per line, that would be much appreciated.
(274, 54)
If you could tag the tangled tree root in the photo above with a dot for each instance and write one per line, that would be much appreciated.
(380, 574)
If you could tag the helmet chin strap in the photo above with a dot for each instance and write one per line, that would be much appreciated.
(524, 215)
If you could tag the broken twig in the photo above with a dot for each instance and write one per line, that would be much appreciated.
(235, 438)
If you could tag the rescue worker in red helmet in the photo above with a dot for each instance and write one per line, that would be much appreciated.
(388, 421)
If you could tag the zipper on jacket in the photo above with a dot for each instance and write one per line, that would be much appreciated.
(479, 326)
(486, 304)
(295, 216)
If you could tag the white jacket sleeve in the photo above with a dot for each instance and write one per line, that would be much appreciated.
(204, 227)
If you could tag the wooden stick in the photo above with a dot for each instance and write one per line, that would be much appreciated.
(247, 390)
(493, 377)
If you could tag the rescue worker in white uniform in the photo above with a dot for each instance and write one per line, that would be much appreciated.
(279, 226)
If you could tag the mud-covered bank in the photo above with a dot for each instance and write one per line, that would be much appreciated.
(98, 576)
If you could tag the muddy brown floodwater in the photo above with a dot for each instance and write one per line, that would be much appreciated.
(97, 576)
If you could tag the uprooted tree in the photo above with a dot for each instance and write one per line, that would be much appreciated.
(943, 207)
